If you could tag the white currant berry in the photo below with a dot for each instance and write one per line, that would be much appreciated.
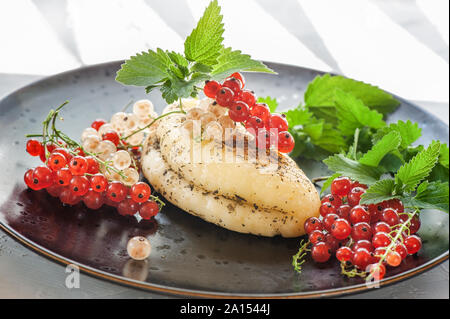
(131, 176)
(105, 149)
(121, 159)
(205, 103)
(189, 103)
(207, 118)
(139, 248)
(87, 132)
(136, 139)
(91, 143)
(118, 122)
(217, 110)
(143, 108)
(105, 128)
(195, 113)
(226, 122)
(131, 122)
(213, 130)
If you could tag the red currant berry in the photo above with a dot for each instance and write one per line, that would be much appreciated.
(261, 111)
(50, 148)
(329, 220)
(64, 152)
(332, 242)
(112, 137)
(286, 142)
(334, 200)
(344, 211)
(316, 237)
(265, 139)
(79, 185)
(68, 197)
(413, 244)
(377, 271)
(248, 98)
(116, 191)
(225, 97)
(93, 200)
(393, 259)
(341, 186)
(381, 240)
(362, 258)
(254, 124)
(400, 248)
(97, 124)
(56, 161)
(212, 88)
(381, 227)
(34, 147)
(54, 190)
(359, 214)
(30, 181)
(93, 166)
(326, 208)
(379, 253)
(390, 217)
(99, 183)
(358, 184)
(239, 112)
(376, 211)
(149, 210)
(109, 202)
(79, 152)
(128, 207)
(341, 229)
(279, 122)
(395, 204)
(233, 84)
(239, 77)
(344, 254)
(140, 192)
(363, 244)
(321, 252)
(63, 177)
(313, 224)
(78, 166)
(354, 197)
(361, 231)
(44, 177)
(414, 224)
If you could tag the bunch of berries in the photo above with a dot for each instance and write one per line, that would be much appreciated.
(365, 237)
(268, 129)
(101, 170)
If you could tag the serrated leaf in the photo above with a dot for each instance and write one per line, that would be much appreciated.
(444, 156)
(386, 145)
(419, 168)
(431, 196)
(381, 191)
(145, 69)
(320, 92)
(328, 182)
(272, 103)
(298, 116)
(175, 88)
(353, 169)
(231, 61)
(353, 114)
(409, 132)
(204, 44)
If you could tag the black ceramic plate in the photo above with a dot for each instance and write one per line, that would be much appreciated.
(190, 257)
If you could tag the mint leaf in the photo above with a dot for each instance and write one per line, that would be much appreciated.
(353, 114)
(430, 196)
(145, 69)
(409, 132)
(205, 42)
(298, 116)
(353, 169)
(272, 103)
(230, 61)
(419, 168)
(386, 145)
(379, 192)
(320, 92)
(330, 140)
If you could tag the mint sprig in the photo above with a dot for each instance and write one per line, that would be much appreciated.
(182, 76)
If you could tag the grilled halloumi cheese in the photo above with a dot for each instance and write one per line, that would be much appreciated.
(227, 183)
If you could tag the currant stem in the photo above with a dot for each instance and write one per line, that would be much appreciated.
(153, 122)
(298, 258)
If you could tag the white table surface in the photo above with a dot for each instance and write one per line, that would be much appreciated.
(400, 45)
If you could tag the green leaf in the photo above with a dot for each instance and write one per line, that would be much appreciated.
(416, 170)
(386, 145)
(328, 182)
(205, 42)
(320, 92)
(353, 169)
(444, 155)
(231, 61)
(327, 113)
(298, 116)
(145, 69)
(175, 88)
(272, 103)
(431, 196)
(381, 191)
(409, 132)
(353, 114)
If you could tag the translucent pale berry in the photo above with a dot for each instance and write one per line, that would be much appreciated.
(381, 240)
(248, 98)
(413, 244)
(312, 224)
(121, 160)
(97, 124)
(361, 231)
(354, 197)
(278, 122)
(261, 111)
(321, 252)
(139, 248)
(143, 108)
(99, 183)
(140, 192)
(212, 88)
(239, 77)
(225, 97)
(149, 210)
(390, 217)
(233, 84)
(239, 112)
(56, 161)
(341, 229)
(316, 237)
(286, 142)
(116, 191)
(34, 147)
(128, 207)
(93, 200)
(327, 208)
(79, 185)
(344, 254)
(341, 186)
(111, 136)
(362, 258)
(78, 166)
(359, 214)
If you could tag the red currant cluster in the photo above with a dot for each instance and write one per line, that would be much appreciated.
(366, 237)
(268, 129)
(72, 176)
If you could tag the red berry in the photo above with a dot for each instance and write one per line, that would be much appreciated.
(381, 240)
(286, 142)
(321, 252)
(362, 258)
(341, 186)
(112, 137)
(149, 210)
(354, 197)
(248, 98)
(233, 84)
(313, 224)
(116, 191)
(377, 271)
(56, 161)
(64, 152)
(254, 124)
(50, 148)
(78, 166)
(401, 250)
(393, 259)
(99, 183)
(34, 147)
(329, 220)
(334, 200)
(68, 197)
(54, 190)
(63, 177)
(44, 177)
(344, 254)
(128, 207)
(239, 112)
(413, 244)
(239, 77)
(79, 152)
(344, 211)
(79, 185)
(93, 166)
(414, 224)
(225, 97)
(381, 227)
(363, 244)
(97, 124)
(261, 111)
(359, 214)
(212, 88)
(265, 139)
(375, 210)
(93, 200)
(361, 231)
(316, 237)
(395, 204)
(358, 184)
(390, 217)
(341, 229)
(29, 181)
(140, 192)
(332, 242)
(379, 253)
(279, 122)
(326, 208)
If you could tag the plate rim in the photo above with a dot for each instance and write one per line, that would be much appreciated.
(96, 273)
